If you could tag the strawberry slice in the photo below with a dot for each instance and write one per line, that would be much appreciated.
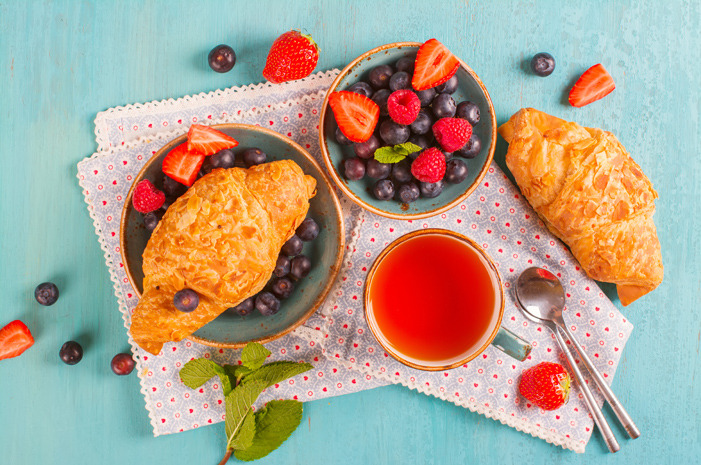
(596, 83)
(15, 338)
(182, 165)
(356, 115)
(434, 65)
(208, 141)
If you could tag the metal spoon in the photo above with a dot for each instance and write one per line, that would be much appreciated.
(542, 298)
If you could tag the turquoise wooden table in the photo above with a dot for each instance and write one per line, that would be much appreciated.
(61, 62)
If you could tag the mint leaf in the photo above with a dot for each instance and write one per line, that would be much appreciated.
(236, 371)
(400, 150)
(274, 424)
(397, 153)
(238, 405)
(411, 148)
(197, 372)
(274, 372)
(254, 355)
(243, 439)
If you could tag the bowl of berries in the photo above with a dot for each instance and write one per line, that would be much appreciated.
(308, 262)
(407, 130)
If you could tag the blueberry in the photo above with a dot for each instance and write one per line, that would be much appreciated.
(151, 219)
(244, 308)
(282, 288)
(383, 189)
(267, 304)
(308, 230)
(401, 172)
(400, 80)
(71, 353)
(426, 96)
(471, 149)
(449, 86)
(379, 76)
(253, 156)
(293, 246)
(282, 266)
(222, 58)
(455, 171)
(469, 111)
(186, 300)
(431, 189)
(354, 169)
(173, 188)
(380, 98)
(443, 106)
(408, 193)
(122, 364)
(341, 138)
(362, 88)
(393, 133)
(418, 139)
(405, 64)
(367, 149)
(222, 159)
(543, 64)
(377, 170)
(46, 294)
(300, 267)
(448, 155)
(422, 124)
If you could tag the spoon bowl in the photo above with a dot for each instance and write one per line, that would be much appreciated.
(541, 295)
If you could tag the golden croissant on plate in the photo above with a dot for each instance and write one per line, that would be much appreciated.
(221, 239)
(591, 194)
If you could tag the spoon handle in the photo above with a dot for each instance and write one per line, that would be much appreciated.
(599, 418)
(616, 405)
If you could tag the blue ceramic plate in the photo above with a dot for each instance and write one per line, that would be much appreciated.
(326, 251)
(469, 88)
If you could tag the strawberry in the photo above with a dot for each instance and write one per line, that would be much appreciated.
(293, 56)
(15, 338)
(146, 197)
(434, 65)
(356, 115)
(182, 165)
(547, 385)
(429, 166)
(596, 83)
(208, 141)
(452, 133)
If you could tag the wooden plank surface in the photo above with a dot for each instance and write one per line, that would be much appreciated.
(63, 61)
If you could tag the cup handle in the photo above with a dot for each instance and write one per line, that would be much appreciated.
(512, 345)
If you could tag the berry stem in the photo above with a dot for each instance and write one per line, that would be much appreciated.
(227, 456)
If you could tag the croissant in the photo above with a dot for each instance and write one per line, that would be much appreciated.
(221, 239)
(591, 194)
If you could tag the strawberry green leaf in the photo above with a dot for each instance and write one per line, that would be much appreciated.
(274, 424)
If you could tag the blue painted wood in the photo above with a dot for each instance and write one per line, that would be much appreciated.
(63, 61)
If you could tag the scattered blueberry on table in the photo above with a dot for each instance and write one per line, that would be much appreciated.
(71, 353)
(122, 364)
(222, 58)
(46, 294)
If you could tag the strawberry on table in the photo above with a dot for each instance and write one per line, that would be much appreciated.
(293, 56)
(182, 165)
(547, 385)
(15, 338)
(596, 83)
(356, 115)
(434, 65)
(205, 140)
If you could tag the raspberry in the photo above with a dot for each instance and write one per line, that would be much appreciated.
(452, 133)
(429, 166)
(147, 198)
(403, 106)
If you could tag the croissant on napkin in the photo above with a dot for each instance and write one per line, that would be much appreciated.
(221, 239)
(591, 194)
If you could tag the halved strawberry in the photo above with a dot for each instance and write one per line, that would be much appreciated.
(182, 165)
(596, 83)
(434, 65)
(208, 141)
(356, 115)
(15, 338)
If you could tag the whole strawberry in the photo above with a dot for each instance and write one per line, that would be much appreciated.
(293, 56)
(429, 166)
(547, 385)
(146, 197)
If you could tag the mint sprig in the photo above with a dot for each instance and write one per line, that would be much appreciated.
(396, 153)
(249, 435)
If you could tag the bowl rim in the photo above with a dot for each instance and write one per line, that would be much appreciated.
(344, 187)
(340, 221)
(424, 232)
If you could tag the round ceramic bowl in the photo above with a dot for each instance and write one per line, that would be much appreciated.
(326, 251)
(470, 87)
